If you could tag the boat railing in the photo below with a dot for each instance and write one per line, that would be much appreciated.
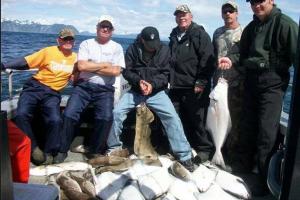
(10, 73)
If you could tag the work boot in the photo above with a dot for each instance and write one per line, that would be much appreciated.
(188, 164)
(179, 171)
(93, 155)
(60, 157)
(37, 156)
(48, 160)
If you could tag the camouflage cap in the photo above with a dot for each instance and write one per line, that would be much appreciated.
(66, 32)
(230, 3)
(182, 8)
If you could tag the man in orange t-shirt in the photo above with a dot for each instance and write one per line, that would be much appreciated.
(55, 66)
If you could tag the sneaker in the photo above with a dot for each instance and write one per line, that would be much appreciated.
(37, 156)
(60, 157)
(118, 152)
(188, 164)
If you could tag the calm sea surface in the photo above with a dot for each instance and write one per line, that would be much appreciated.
(15, 45)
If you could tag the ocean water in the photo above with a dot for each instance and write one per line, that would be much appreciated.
(15, 45)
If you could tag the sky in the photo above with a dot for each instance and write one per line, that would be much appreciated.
(130, 16)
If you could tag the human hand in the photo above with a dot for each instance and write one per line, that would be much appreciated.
(224, 63)
(146, 87)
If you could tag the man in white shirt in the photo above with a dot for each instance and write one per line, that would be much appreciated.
(100, 60)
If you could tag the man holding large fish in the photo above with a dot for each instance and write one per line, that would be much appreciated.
(226, 40)
(267, 50)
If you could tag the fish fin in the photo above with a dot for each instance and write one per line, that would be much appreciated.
(218, 160)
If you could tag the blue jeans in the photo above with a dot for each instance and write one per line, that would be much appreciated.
(102, 98)
(164, 109)
(36, 95)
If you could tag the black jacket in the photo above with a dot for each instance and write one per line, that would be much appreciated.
(270, 44)
(192, 58)
(156, 71)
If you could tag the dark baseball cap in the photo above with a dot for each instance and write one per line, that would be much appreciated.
(150, 36)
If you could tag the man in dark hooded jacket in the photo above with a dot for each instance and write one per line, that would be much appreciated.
(147, 71)
(192, 69)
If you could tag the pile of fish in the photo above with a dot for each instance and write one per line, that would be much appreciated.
(140, 179)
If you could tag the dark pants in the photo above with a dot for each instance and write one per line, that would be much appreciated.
(84, 94)
(263, 100)
(192, 109)
(38, 96)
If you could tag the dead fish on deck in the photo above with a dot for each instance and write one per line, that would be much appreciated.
(154, 184)
(110, 185)
(71, 187)
(46, 170)
(216, 192)
(218, 121)
(184, 190)
(85, 185)
(233, 185)
(127, 164)
(203, 177)
(106, 160)
(67, 183)
(131, 192)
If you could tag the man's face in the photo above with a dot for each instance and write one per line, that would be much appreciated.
(229, 14)
(262, 8)
(66, 43)
(104, 31)
(184, 20)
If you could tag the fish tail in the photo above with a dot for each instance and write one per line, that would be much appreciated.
(218, 159)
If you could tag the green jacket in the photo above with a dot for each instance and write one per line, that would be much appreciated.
(263, 46)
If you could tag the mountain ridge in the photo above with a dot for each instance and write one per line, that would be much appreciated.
(34, 27)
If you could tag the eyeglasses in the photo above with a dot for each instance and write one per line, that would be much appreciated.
(106, 26)
(66, 39)
(230, 10)
(252, 2)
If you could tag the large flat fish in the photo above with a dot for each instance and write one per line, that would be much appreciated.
(85, 185)
(110, 185)
(203, 177)
(233, 185)
(142, 140)
(218, 121)
(46, 170)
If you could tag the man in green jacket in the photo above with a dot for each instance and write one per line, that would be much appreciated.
(267, 51)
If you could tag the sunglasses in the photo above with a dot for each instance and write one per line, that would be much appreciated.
(252, 2)
(71, 39)
(106, 26)
(230, 10)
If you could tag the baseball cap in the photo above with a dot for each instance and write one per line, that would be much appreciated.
(182, 8)
(151, 38)
(66, 32)
(232, 4)
(107, 18)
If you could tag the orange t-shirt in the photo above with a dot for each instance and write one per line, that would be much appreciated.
(54, 67)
